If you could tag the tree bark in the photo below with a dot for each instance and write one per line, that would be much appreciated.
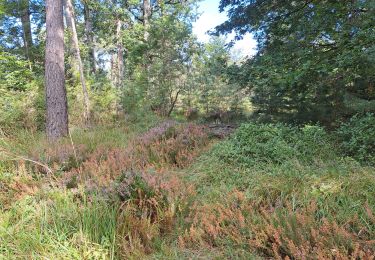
(146, 17)
(70, 18)
(173, 103)
(56, 100)
(89, 37)
(26, 28)
(120, 55)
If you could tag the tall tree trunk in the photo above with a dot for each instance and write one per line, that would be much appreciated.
(77, 56)
(26, 28)
(120, 54)
(146, 25)
(146, 17)
(89, 37)
(56, 100)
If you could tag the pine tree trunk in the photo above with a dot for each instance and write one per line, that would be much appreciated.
(77, 56)
(56, 100)
(89, 37)
(26, 28)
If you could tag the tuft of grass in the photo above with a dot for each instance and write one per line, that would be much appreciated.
(53, 224)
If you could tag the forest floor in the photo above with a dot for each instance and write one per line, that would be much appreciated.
(168, 190)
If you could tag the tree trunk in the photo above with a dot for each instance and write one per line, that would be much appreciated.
(146, 17)
(146, 25)
(56, 100)
(89, 37)
(113, 69)
(120, 55)
(173, 103)
(26, 27)
(69, 11)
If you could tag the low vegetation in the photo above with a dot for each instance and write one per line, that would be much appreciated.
(174, 192)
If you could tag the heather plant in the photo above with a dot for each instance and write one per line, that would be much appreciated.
(166, 145)
(177, 145)
(278, 231)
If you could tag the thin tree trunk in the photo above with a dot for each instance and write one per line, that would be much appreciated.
(173, 103)
(77, 56)
(26, 28)
(146, 17)
(89, 37)
(113, 69)
(146, 25)
(56, 100)
(120, 54)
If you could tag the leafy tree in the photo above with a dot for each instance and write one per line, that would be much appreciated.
(312, 54)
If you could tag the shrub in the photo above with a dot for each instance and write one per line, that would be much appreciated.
(266, 143)
(357, 138)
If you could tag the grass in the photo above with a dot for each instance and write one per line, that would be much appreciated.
(268, 191)
(53, 225)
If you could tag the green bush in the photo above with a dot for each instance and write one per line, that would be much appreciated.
(357, 138)
(21, 98)
(266, 143)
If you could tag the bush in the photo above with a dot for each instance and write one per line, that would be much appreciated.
(266, 143)
(357, 138)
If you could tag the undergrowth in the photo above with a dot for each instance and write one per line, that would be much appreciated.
(168, 191)
(283, 192)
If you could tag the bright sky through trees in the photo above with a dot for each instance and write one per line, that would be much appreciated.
(211, 17)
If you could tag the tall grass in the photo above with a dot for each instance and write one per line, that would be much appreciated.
(53, 224)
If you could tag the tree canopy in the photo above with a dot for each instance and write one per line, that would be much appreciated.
(312, 57)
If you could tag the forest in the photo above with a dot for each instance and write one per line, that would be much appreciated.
(124, 136)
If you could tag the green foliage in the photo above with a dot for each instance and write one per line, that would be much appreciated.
(265, 143)
(311, 55)
(18, 92)
(15, 73)
(357, 137)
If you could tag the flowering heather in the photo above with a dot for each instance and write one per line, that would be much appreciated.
(157, 132)
(167, 145)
